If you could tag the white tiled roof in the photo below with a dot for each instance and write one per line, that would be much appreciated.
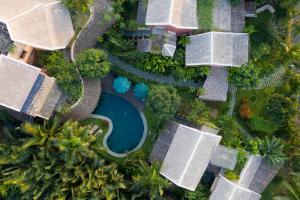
(16, 80)
(44, 24)
(228, 190)
(217, 49)
(180, 14)
(189, 156)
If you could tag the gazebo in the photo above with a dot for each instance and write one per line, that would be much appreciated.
(121, 84)
(141, 91)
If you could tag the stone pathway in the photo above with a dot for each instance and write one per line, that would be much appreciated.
(87, 104)
(168, 80)
(88, 39)
(95, 28)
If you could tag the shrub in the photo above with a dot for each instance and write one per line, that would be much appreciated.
(230, 132)
(163, 101)
(159, 64)
(245, 111)
(201, 193)
(244, 77)
(280, 109)
(231, 175)
(92, 63)
(199, 112)
(80, 6)
(63, 71)
(260, 125)
(240, 164)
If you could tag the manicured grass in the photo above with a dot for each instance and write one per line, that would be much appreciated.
(205, 14)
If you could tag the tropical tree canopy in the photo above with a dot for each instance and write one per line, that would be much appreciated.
(92, 63)
(164, 101)
(57, 162)
(80, 6)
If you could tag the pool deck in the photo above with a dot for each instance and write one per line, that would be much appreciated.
(107, 86)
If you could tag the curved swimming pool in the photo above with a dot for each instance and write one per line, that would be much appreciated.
(129, 126)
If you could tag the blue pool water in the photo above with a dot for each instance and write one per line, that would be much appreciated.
(128, 126)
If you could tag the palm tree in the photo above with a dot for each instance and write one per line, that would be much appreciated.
(149, 181)
(291, 189)
(60, 163)
(273, 150)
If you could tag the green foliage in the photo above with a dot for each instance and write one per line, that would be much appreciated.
(272, 149)
(92, 63)
(244, 77)
(201, 193)
(291, 189)
(291, 85)
(163, 101)
(79, 6)
(159, 64)
(199, 113)
(205, 14)
(241, 162)
(231, 175)
(63, 71)
(148, 181)
(58, 162)
(260, 125)
(280, 109)
(184, 40)
(230, 132)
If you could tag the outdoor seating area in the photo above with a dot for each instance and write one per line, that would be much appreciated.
(122, 85)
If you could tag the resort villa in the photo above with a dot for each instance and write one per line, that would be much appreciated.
(25, 26)
(26, 89)
(179, 16)
(218, 50)
(40, 24)
(188, 155)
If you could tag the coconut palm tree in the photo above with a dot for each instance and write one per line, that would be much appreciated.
(148, 181)
(60, 163)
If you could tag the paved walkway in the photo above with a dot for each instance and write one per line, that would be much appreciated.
(88, 102)
(168, 80)
(88, 39)
(96, 27)
(107, 86)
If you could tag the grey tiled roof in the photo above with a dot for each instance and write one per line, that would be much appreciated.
(218, 49)
(224, 157)
(177, 13)
(17, 80)
(216, 85)
(189, 156)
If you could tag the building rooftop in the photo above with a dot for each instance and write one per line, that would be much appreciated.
(224, 157)
(44, 24)
(217, 49)
(216, 85)
(188, 156)
(181, 14)
(17, 79)
(26, 89)
(227, 190)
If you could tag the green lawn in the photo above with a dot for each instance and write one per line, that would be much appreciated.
(205, 14)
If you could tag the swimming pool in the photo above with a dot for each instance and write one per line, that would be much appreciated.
(129, 126)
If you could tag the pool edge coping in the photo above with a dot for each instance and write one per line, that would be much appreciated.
(110, 128)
